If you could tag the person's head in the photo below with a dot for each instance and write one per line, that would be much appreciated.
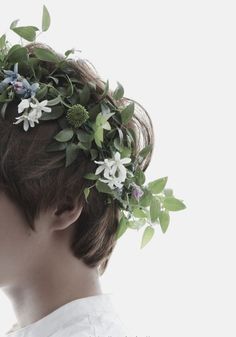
(42, 203)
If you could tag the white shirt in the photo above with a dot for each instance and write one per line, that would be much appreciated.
(92, 316)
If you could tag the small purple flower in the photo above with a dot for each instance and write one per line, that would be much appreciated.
(137, 192)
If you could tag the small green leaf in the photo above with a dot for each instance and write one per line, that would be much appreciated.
(86, 193)
(145, 151)
(103, 187)
(68, 52)
(157, 185)
(83, 136)
(55, 113)
(54, 101)
(91, 176)
(146, 198)
(122, 227)
(93, 153)
(27, 32)
(41, 92)
(105, 91)
(84, 95)
(139, 177)
(18, 54)
(45, 19)
(127, 113)
(154, 209)
(164, 220)
(168, 192)
(2, 41)
(119, 91)
(14, 23)
(147, 235)
(139, 213)
(56, 147)
(71, 153)
(173, 204)
(64, 135)
(46, 55)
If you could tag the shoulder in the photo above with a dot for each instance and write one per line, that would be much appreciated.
(98, 324)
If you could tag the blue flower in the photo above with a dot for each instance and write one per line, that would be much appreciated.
(11, 77)
(26, 89)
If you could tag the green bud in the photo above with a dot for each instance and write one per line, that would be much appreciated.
(77, 115)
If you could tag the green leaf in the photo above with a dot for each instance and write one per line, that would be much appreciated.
(14, 23)
(173, 204)
(2, 41)
(122, 227)
(41, 92)
(164, 220)
(71, 153)
(146, 198)
(157, 185)
(139, 213)
(154, 209)
(84, 95)
(45, 19)
(139, 177)
(147, 235)
(168, 192)
(105, 91)
(86, 193)
(145, 151)
(56, 147)
(83, 136)
(91, 176)
(93, 153)
(27, 32)
(56, 112)
(64, 135)
(103, 187)
(54, 101)
(46, 55)
(119, 91)
(98, 136)
(127, 113)
(17, 54)
(68, 52)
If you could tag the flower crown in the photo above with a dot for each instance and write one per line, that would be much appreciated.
(99, 130)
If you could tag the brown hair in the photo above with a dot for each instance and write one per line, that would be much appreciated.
(36, 180)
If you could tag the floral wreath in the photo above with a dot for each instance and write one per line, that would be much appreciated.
(100, 131)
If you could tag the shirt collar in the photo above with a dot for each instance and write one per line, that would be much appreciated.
(77, 308)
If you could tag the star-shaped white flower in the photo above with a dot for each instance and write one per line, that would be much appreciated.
(38, 107)
(118, 165)
(104, 165)
(24, 104)
(114, 170)
(28, 119)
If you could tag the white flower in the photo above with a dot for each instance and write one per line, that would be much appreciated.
(24, 104)
(104, 165)
(38, 107)
(118, 166)
(31, 117)
(28, 119)
(113, 182)
(114, 170)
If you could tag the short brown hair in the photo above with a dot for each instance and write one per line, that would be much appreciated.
(36, 180)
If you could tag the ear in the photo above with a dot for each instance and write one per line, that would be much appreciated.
(66, 213)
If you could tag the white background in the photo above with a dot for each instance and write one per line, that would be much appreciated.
(178, 59)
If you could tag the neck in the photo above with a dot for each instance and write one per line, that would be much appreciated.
(45, 289)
